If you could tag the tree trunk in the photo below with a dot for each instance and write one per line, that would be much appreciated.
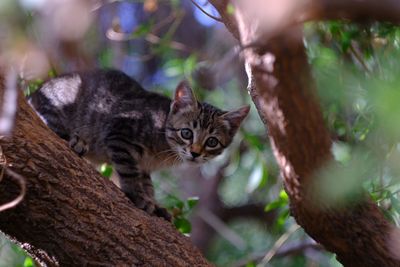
(72, 213)
(283, 91)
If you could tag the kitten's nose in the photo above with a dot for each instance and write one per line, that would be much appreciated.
(194, 154)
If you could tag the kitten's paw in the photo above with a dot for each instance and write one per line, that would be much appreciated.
(149, 206)
(142, 202)
(78, 145)
(163, 213)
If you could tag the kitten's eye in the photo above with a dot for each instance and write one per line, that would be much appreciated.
(186, 133)
(212, 142)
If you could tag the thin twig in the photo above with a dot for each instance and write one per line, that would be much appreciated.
(221, 228)
(157, 27)
(278, 244)
(22, 184)
(151, 38)
(359, 58)
(294, 248)
(205, 12)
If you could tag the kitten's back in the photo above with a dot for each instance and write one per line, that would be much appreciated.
(61, 101)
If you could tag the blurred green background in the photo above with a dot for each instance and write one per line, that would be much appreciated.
(233, 208)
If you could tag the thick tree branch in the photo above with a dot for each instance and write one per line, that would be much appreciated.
(354, 10)
(276, 16)
(75, 215)
(285, 98)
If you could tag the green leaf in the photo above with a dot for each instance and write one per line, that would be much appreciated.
(230, 9)
(143, 29)
(105, 58)
(253, 140)
(346, 40)
(283, 196)
(32, 86)
(106, 170)
(282, 201)
(174, 67)
(28, 262)
(251, 264)
(52, 73)
(174, 202)
(183, 225)
(283, 215)
(273, 205)
(334, 27)
(190, 64)
(192, 202)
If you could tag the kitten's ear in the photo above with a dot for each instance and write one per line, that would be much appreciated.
(184, 98)
(235, 117)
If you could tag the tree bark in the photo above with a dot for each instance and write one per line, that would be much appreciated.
(71, 216)
(283, 91)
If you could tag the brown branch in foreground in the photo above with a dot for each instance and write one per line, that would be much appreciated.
(354, 10)
(73, 214)
(298, 12)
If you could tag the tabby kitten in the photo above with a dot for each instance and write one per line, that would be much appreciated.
(108, 117)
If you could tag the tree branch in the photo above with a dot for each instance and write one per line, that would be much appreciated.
(354, 10)
(274, 17)
(73, 214)
(357, 232)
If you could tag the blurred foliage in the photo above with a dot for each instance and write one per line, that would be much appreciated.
(356, 69)
(180, 211)
(255, 239)
(106, 170)
(161, 42)
(13, 255)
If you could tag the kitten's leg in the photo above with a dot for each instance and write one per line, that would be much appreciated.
(134, 183)
(78, 145)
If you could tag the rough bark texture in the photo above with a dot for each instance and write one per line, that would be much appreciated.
(358, 233)
(283, 91)
(76, 216)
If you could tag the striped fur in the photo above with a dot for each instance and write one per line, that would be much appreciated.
(109, 117)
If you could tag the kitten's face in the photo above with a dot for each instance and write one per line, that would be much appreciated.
(200, 132)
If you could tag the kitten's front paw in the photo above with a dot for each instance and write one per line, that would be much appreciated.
(78, 145)
(149, 206)
(163, 213)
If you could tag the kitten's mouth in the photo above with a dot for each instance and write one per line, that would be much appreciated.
(191, 160)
